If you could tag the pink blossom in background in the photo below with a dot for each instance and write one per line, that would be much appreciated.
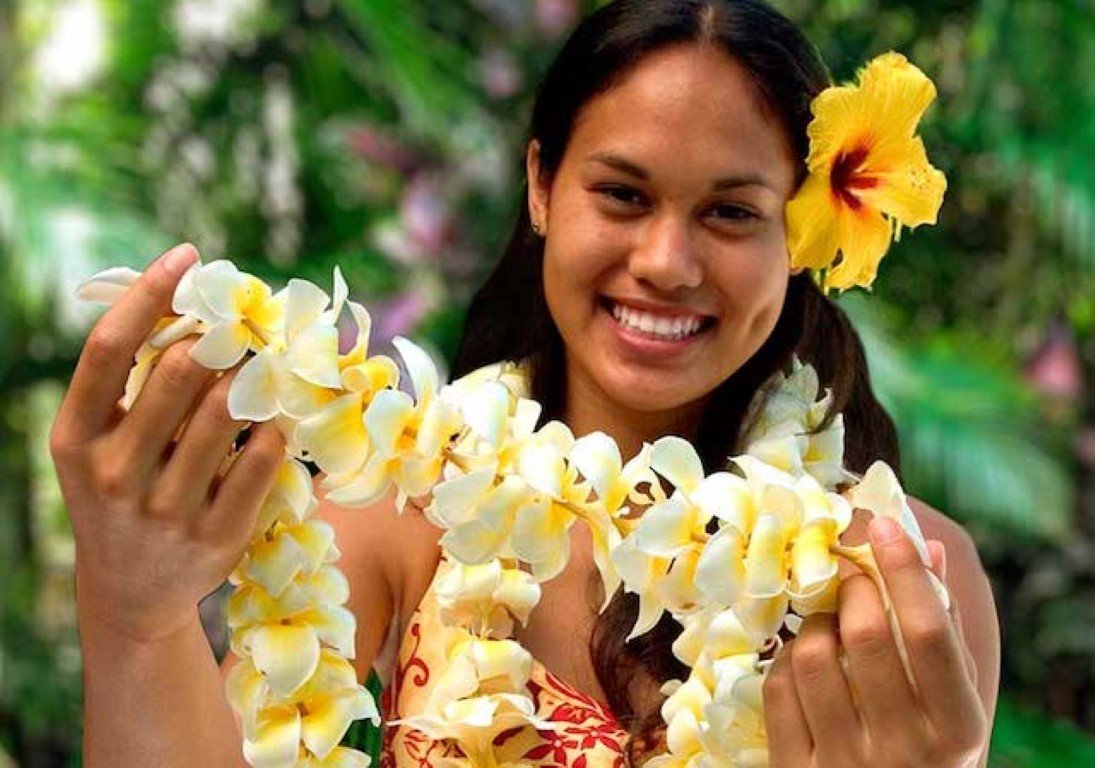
(426, 214)
(554, 17)
(373, 144)
(1054, 370)
(499, 73)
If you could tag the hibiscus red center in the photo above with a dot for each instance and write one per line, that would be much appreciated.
(847, 175)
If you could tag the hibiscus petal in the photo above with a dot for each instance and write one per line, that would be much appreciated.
(909, 189)
(813, 237)
(864, 238)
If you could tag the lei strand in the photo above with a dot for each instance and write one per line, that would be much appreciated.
(506, 493)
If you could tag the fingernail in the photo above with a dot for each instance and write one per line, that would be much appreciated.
(883, 530)
(179, 258)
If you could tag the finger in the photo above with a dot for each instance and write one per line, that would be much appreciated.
(939, 558)
(935, 653)
(236, 504)
(789, 742)
(99, 379)
(168, 397)
(207, 439)
(823, 691)
(890, 710)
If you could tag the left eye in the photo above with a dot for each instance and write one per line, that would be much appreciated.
(734, 213)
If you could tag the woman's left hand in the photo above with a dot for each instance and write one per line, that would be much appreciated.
(863, 713)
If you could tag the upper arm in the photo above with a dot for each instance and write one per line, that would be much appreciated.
(970, 590)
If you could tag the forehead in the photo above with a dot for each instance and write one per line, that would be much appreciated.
(687, 105)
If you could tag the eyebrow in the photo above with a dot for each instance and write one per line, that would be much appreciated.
(728, 182)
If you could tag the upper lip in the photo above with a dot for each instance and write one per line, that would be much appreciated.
(658, 308)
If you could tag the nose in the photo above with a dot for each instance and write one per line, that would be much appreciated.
(664, 256)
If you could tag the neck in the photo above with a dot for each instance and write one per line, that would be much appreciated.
(589, 409)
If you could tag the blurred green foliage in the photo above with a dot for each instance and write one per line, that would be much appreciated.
(386, 137)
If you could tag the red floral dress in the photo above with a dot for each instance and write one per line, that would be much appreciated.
(587, 734)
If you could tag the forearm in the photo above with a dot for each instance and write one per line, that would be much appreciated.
(158, 704)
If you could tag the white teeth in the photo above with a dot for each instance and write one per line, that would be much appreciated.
(671, 329)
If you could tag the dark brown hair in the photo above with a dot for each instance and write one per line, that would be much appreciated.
(509, 319)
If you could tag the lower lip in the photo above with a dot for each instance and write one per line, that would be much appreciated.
(646, 345)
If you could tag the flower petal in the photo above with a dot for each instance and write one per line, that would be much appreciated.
(420, 367)
(287, 655)
(107, 286)
(253, 395)
(676, 460)
(222, 346)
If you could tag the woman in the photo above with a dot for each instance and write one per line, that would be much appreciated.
(647, 283)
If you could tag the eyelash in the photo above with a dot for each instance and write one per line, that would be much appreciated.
(612, 193)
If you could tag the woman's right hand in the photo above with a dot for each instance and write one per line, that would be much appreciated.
(155, 528)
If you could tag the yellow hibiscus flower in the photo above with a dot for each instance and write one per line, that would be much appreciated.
(869, 174)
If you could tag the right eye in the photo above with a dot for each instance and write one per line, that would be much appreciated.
(620, 195)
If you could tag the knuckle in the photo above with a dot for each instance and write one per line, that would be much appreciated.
(929, 636)
(868, 637)
(103, 347)
(115, 479)
(178, 370)
(161, 506)
(61, 446)
(779, 684)
(810, 658)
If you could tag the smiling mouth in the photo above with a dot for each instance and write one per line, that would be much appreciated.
(641, 324)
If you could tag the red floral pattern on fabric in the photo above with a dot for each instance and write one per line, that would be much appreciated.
(587, 735)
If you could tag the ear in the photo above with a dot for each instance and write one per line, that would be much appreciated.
(538, 188)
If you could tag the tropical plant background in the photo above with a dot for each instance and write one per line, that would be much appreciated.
(291, 135)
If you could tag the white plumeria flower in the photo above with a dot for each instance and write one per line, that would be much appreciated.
(238, 312)
(289, 501)
(482, 691)
(317, 714)
(297, 371)
(283, 636)
(485, 599)
(784, 421)
(540, 534)
(407, 436)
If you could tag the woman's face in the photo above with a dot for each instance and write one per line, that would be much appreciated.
(665, 264)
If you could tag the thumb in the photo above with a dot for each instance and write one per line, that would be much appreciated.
(939, 558)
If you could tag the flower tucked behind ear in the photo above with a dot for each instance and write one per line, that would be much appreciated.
(869, 174)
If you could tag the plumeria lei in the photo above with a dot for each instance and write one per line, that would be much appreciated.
(736, 556)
